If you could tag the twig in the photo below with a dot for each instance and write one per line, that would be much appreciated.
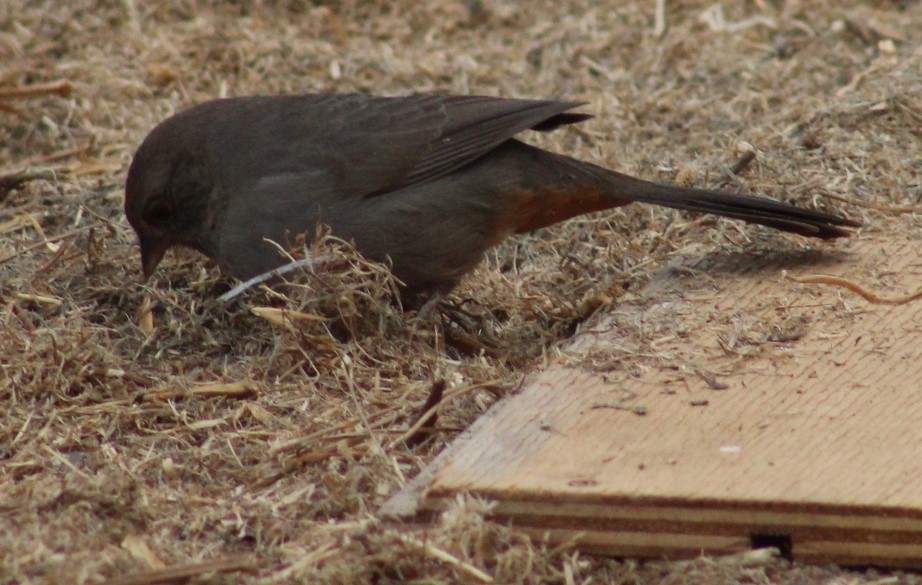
(274, 273)
(19, 178)
(326, 432)
(285, 317)
(428, 414)
(712, 382)
(746, 558)
(4, 107)
(40, 299)
(50, 240)
(739, 166)
(744, 161)
(870, 205)
(858, 78)
(132, 9)
(855, 288)
(439, 554)
(311, 559)
(659, 22)
(184, 573)
(750, 558)
(312, 457)
(442, 401)
(47, 158)
(61, 87)
(231, 390)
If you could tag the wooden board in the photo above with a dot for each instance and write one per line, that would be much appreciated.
(725, 407)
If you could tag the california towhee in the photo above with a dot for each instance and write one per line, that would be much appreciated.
(430, 182)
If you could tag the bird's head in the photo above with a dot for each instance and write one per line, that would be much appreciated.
(167, 194)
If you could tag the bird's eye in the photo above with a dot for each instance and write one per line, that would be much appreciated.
(159, 212)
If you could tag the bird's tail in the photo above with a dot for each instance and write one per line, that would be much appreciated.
(760, 210)
(557, 187)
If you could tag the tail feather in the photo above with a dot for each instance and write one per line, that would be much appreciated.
(767, 212)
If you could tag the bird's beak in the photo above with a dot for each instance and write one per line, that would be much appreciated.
(152, 251)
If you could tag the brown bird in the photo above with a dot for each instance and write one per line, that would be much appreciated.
(429, 182)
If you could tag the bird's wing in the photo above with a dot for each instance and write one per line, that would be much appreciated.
(353, 145)
(473, 126)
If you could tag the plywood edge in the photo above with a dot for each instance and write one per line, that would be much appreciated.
(893, 522)
(656, 531)
(639, 544)
(678, 546)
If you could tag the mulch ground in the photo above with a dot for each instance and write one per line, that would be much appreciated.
(150, 433)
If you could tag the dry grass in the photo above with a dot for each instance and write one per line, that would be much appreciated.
(118, 456)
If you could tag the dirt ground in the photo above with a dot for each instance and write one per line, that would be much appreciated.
(152, 434)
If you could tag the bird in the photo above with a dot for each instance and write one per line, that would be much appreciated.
(428, 183)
